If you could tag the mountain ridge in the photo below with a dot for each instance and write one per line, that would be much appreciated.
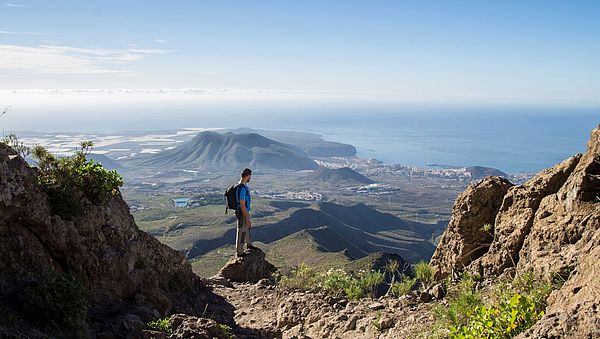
(338, 176)
(212, 150)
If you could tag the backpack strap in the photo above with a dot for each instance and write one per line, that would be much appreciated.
(237, 192)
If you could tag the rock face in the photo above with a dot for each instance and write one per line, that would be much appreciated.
(516, 216)
(129, 275)
(551, 225)
(465, 240)
(252, 267)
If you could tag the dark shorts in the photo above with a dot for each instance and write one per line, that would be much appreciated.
(241, 221)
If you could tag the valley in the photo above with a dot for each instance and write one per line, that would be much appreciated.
(314, 201)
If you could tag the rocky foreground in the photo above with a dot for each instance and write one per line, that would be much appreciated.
(550, 225)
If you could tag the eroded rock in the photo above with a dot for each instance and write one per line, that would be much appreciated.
(465, 240)
(252, 267)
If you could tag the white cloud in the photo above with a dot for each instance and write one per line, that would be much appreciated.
(69, 59)
(14, 5)
(23, 33)
(160, 41)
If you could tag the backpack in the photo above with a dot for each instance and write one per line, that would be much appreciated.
(231, 197)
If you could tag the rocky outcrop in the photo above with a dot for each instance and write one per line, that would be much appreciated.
(190, 327)
(515, 218)
(252, 267)
(550, 225)
(130, 276)
(465, 240)
(565, 242)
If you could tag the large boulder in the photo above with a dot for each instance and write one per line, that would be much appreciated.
(190, 327)
(465, 240)
(251, 267)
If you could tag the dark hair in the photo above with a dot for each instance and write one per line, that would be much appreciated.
(246, 172)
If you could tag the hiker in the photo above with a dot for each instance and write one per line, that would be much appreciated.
(243, 214)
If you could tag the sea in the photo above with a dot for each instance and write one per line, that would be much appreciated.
(511, 138)
(514, 142)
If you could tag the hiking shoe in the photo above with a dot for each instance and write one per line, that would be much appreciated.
(250, 247)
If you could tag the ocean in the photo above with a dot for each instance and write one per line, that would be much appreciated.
(510, 142)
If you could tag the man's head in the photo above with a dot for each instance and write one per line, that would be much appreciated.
(246, 174)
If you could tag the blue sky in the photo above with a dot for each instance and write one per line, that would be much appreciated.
(535, 52)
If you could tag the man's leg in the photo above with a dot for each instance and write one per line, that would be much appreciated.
(247, 238)
(241, 233)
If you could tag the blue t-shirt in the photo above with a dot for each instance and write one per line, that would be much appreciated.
(244, 194)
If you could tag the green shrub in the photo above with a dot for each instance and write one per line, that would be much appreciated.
(512, 308)
(369, 281)
(403, 287)
(354, 292)
(461, 302)
(336, 283)
(59, 301)
(226, 330)
(64, 178)
(303, 277)
(424, 273)
(163, 325)
(376, 325)
(506, 320)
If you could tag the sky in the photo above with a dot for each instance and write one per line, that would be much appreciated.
(515, 52)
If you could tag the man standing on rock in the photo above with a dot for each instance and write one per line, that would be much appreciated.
(243, 214)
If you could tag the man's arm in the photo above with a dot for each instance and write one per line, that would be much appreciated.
(245, 213)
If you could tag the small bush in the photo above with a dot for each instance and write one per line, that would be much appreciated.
(336, 283)
(162, 325)
(424, 273)
(403, 287)
(512, 308)
(58, 301)
(226, 330)
(369, 281)
(506, 320)
(354, 292)
(63, 178)
(461, 302)
(375, 322)
(303, 277)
